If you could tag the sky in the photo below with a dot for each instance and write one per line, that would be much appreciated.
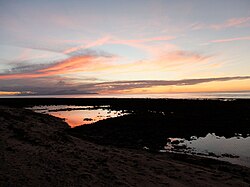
(55, 47)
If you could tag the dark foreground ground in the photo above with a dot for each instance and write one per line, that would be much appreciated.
(41, 150)
(152, 121)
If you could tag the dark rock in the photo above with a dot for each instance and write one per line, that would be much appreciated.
(87, 119)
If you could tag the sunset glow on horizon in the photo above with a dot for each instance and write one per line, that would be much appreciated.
(120, 47)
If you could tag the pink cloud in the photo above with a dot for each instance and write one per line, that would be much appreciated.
(234, 22)
(196, 26)
(136, 43)
(230, 39)
(169, 60)
(98, 42)
(143, 40)
(180, 58)
(230, 23)
(184, 56)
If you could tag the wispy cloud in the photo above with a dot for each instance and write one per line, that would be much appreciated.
(230, 39)
(171, 59)
(96, 43)
(98, 61)
(152, 45)
(233, 22)
(181, 57)
(124, 85)
(143, 40)
(141, 43)
(196, 26)
(70, 65)
(104, 87)
(230, 23)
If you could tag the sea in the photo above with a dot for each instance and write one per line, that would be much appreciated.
(196, 95)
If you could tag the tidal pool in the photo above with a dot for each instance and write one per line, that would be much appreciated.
(79, 115)
(235, 149)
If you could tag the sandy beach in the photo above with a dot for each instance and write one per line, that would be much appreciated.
(37, 150)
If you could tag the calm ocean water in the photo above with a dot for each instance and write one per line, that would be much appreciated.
(210, 95)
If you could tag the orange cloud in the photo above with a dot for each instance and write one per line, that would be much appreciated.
(68, 64)
(73, 64)
(9, 93)
(21, 75)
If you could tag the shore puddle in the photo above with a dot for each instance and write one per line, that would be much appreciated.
(235, 150)
(79, 115)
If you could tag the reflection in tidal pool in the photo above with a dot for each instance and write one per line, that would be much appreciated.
(235, 149)
(79, 115)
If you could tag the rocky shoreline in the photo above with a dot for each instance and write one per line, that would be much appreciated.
(37, 150)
